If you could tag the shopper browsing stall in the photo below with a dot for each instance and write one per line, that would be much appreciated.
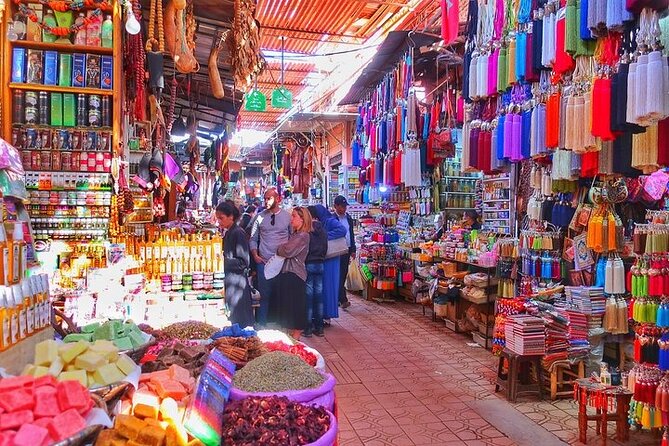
(318, 248)
(236, 264)
(289, 306)
(336, 232)
(340, 205)
(270, 229)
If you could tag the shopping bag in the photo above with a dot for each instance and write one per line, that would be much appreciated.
(354, 279)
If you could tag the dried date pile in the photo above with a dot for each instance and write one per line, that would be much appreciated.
(240, 350)
(190, 357)
(297, 350)
(277, 372)
(272, 421)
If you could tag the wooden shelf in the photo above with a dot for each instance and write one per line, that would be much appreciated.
(59, 89)
(63, 47)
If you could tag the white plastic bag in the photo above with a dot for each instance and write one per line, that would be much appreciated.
(354, 279)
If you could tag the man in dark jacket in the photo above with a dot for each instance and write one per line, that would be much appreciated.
(318, 248)
(340, 205)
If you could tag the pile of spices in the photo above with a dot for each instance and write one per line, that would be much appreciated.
(277, 372)
(272, 421)
(240, 350)
(188, 330)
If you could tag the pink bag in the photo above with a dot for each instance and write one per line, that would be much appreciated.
(330, 437)
(655, 186)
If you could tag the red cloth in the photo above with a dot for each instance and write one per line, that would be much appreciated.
(449, 20)
(589, 164)
(663, 142)
(601, 109)
(563, 60)
(397, 165)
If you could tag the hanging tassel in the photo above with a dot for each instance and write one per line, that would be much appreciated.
(640, 91)
(493, 62)
(655, 98)
(473, 89)
(482, 76)
(631, 94)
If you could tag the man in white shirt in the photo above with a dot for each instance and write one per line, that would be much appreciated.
(270, 229)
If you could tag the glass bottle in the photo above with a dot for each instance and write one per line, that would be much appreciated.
(80, 36)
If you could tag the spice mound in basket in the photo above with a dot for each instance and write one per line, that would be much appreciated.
(272, 421)
(277, 372)
(41, 411)
(184, 331)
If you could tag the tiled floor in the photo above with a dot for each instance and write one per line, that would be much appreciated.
(405, 380)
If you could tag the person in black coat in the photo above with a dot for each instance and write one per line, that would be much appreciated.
(236, 255)
(318, 248)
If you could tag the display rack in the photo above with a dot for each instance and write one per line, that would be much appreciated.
(349, 182)
(498, 208)
(458, 190)
(74, 129)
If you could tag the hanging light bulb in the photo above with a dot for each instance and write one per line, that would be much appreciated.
(132, 26)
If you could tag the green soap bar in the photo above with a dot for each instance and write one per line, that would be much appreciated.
(104, 332)
(136, 339)
(69, 106)
(65, 70)
(123, 343)
(75, 337)
(90, 328)
(56, 109)
(131, 328)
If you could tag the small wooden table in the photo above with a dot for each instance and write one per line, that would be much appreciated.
(594, 394)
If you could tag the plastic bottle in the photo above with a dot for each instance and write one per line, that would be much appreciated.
(4, 256)
(19, 302)
(13, 316)
(16, 263)
(49, 20)
(5, 317)
(80, 36)
(29, 305)
(107, 32)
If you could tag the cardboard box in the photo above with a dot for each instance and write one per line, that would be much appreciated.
(50, 68)
(92, 71)
(107, 73)
(19, 65)
(64, 70)
(69, 110)
(56, 109)
(78, 70)
(35, 67)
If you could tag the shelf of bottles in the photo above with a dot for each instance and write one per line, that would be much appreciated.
(65, 113)
(458, 191)
(498, 197)
(349, 182)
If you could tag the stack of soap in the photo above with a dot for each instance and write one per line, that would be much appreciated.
(130, 430)
(92, 364)
(41, 411)
(124, 335)
(191, 357)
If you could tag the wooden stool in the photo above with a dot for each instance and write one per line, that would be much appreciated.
(561, 386)
(516, 381)
(584, 390)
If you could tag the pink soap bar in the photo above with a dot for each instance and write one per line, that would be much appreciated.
(66, 424)
(46, 380)
(43, 422)
(18, 399)
(7, 438)
(30, 435)
(46, 405)
(15, 419)
(72, 395)
(15, 382)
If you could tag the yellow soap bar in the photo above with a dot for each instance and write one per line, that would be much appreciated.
(126, 364)
(89, 361)
(70, 368)
(108, 374)
(68, 352)
(75, 375)
(46, 352)
(56, 367)
(91, 380)
(106, 349)
(40, 371)
(28, 370)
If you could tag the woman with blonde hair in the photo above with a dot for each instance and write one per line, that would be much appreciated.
(291, 303)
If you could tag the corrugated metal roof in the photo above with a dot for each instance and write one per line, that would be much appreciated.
(313, 26)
